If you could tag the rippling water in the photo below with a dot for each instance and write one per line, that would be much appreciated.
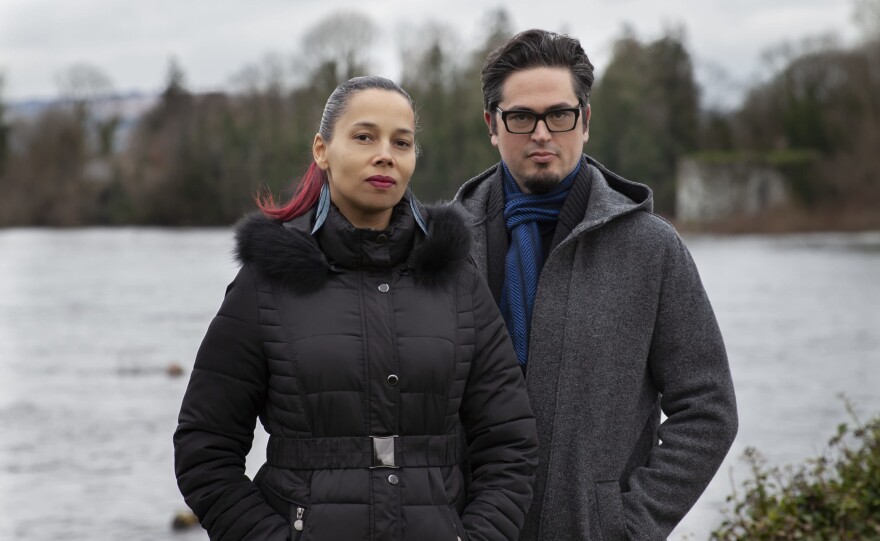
(90, 319)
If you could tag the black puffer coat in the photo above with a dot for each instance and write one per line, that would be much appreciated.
(343, 336)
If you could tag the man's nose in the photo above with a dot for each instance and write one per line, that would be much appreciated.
(542, 132)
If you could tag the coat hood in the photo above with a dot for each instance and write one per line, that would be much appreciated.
(288, 253)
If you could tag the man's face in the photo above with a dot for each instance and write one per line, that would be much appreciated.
(539, 160)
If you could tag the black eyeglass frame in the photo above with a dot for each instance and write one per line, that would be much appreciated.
(540, 117)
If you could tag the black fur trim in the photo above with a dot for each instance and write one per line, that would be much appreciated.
(294, 258)
(437, 257)
(287, 255)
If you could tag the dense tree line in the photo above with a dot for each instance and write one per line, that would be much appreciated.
(824, 102)
(198, 159)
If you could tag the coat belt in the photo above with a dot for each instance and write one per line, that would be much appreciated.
(364, 452)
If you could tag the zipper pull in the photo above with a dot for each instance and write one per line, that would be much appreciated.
(298, 523)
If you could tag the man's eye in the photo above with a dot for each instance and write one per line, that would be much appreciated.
(520, 117)
(559, 115)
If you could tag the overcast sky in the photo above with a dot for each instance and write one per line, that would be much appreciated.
(131, 42)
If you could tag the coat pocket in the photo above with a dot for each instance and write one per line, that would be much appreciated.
(298, 521)
(456, 524)
(609, 505)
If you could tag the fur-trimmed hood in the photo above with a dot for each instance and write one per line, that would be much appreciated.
(288, 253)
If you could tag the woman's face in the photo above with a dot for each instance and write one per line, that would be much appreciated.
(371, 157)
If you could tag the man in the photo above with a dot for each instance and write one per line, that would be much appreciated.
(605, 307)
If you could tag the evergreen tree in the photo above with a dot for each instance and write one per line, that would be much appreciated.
(445, 84)
(645, 112)
(4, 130)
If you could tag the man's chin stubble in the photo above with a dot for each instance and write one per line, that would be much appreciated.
(541, 183)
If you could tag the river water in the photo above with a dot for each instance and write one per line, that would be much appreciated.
(91, 318)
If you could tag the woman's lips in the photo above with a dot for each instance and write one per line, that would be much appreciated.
(381, 182)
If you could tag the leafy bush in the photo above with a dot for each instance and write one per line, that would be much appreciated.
(835, 497)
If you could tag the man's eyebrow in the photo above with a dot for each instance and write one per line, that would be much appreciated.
(560, 105)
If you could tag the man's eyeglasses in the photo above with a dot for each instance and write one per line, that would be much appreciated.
(557, 120)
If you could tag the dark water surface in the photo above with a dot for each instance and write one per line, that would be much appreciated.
(91, 318)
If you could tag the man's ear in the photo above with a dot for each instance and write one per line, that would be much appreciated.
(493, 134)
(319, 152)
(586, 123)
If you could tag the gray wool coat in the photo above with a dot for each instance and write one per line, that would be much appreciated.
(622, 330)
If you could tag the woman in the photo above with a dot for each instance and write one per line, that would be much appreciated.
(360, 334)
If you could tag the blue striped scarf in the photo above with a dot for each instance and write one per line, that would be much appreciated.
(525, 257)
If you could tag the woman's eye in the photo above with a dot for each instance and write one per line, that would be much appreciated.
(403, 144)
(362, 137)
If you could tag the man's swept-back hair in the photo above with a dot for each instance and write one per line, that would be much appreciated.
(534, 49)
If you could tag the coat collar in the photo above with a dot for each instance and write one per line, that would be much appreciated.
(289, 254)
(611, 195)
(348, 247)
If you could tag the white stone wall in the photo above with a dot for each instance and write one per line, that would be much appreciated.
(709, 192)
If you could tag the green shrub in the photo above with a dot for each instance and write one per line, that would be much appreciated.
(835, 497)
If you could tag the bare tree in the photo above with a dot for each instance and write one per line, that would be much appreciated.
(431, 54)
(268, 75)
(82, 85)
(867, 17)
(340, 44)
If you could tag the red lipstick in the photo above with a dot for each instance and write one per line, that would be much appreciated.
(382, 182)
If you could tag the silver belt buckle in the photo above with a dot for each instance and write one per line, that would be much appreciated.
(383, 451)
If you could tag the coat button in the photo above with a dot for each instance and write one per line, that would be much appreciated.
(384, 288)
(382, 238)
(393, 379)
(393, 479)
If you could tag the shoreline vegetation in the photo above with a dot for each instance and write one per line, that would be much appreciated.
(197, 159)
(845, 218)
(835, 496)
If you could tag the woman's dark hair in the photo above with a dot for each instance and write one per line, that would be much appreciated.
(533, 49)
(309, 188)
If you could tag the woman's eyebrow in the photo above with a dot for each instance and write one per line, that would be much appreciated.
(374, 126)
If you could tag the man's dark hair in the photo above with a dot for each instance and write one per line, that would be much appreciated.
(534, 49)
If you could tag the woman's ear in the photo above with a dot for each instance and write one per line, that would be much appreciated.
(319, 152)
